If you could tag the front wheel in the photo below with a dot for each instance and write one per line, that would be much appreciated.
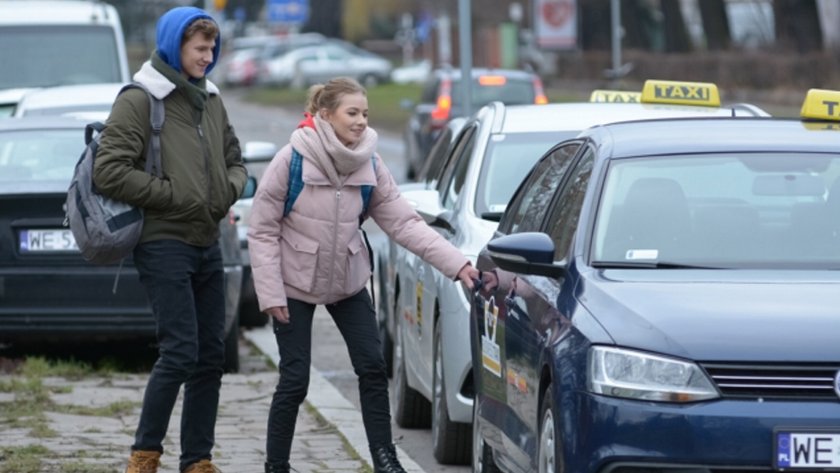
(548, 461)
(451, 440)
(482, 455)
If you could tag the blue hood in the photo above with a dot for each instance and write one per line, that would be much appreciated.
(720, 315)
(170, 31)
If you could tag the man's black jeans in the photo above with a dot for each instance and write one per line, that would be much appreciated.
(356, 320)
(185, 285)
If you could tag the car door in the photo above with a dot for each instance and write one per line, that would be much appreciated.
(512, 307)
(419, 336)
(529, 304)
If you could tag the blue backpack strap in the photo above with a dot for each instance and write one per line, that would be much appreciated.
(367, 191)
(295, 181)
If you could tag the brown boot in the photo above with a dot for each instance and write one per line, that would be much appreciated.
(143, 461)
(203, 466)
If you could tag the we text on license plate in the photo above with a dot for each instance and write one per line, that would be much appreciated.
(47, 240)
(807, 450)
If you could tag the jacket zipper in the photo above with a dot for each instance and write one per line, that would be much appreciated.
(206, 159)
(335, 238)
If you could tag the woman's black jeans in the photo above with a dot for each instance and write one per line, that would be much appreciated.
(356, 320)
(185, 285)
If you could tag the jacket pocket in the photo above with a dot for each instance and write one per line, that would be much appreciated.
(300, 259)
(358, 266)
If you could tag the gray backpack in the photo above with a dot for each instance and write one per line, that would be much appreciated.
(107, 230)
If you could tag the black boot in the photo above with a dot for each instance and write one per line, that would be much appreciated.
(385, 459)
(282, 467)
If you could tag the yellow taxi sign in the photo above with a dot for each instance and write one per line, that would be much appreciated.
(683, 93)
(614, 96)
(821, 104)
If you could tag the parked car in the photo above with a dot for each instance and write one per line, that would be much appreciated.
(464, 199)
(88, 101)
(86, 45)
(304, 66)
(49, 291)
(441, 100)
(243, 62)
(661, 296)
(254, 152)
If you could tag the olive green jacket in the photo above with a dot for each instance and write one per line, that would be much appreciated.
(203, 173)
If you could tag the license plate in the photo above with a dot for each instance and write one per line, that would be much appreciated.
(47, 240)
(807, 450)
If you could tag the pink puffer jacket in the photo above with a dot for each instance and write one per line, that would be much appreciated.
(316, 253)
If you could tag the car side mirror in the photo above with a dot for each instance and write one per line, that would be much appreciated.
(526, 253)
(258, 151)
(250, 188)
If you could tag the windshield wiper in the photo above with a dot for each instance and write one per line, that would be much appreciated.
(648, 265)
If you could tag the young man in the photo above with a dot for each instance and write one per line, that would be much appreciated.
(178, 257)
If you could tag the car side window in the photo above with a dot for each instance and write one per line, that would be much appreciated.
(565, 213)
(464, 142)
(429, 94)
(530, 203)
(437, 157)
(456, 173)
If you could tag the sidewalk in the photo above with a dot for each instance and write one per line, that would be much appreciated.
(88, 425)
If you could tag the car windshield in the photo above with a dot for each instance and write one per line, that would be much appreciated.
(77, 55)
(39, 155)
(511, 92)
(757, 210)
(507, 160)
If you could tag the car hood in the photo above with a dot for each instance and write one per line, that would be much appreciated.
(719, 315)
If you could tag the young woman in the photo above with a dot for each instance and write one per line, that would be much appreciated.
(314, 253)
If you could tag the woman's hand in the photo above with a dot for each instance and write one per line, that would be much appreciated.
(279, 313)
(468, 274)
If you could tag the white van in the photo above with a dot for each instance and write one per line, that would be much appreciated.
(60, 42)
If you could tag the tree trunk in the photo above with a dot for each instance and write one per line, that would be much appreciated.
(715, 24)
(797, 25)
(676, 33)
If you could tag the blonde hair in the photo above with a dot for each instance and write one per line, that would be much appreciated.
(328, 96)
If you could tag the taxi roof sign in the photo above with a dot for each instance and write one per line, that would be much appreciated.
(821, 104)
(614, 96)
(679, 92)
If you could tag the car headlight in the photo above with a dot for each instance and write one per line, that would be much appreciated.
(637, 375)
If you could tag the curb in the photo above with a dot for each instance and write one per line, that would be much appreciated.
(330, 404)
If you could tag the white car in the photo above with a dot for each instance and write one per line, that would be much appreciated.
(307, 65)
(464, 200)
(87, 101)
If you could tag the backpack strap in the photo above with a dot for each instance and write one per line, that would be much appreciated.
(295, 181)
(156, 118)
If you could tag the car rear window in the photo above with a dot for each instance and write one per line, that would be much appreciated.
(39, 155)
(511, 92)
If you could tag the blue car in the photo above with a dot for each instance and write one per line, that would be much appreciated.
(664, 296)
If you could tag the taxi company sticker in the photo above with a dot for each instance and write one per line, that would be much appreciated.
(490, 358)
(641, 254)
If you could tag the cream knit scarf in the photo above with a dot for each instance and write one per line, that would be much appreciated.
(322, 148)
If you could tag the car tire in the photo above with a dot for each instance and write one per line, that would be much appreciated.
(548, 459)
(451, 440)
(482, 455)
(411, 409)
(232, 348)
(250, 315)
(382, 318)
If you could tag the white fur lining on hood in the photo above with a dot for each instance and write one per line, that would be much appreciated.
(159, 85)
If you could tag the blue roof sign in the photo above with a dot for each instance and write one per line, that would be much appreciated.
(287, 11)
